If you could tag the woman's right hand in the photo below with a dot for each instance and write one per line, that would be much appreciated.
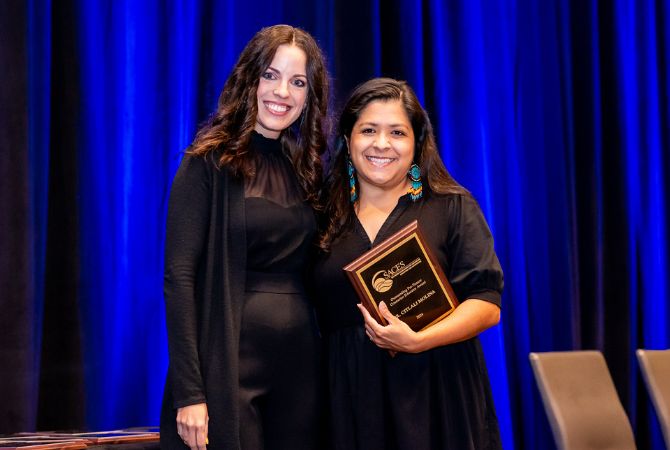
(192, 423)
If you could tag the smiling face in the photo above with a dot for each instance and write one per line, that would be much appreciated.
(282, 91)
(382, 147)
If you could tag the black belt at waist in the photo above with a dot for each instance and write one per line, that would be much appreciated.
(278, 283)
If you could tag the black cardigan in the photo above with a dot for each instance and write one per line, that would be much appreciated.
(205, 260)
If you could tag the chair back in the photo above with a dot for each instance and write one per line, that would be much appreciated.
(655, 367)
(581, 401)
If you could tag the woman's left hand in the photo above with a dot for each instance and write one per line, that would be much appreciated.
(397, 335)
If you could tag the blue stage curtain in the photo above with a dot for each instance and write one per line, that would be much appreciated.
(554, 114)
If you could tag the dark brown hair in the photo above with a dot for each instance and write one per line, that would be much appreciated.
(227, 133)
(339, 211)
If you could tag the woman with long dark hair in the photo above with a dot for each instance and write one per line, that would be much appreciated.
(435, 393)
(242, 347)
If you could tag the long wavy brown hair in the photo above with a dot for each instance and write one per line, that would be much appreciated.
(339, 211)
(227, 133)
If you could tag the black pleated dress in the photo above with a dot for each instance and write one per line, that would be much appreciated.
(438, 399)
(278, 340)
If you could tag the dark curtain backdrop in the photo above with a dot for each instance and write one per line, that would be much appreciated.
(554, 113)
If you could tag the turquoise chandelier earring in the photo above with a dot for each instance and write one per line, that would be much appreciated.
(353, 195)
(416, 189)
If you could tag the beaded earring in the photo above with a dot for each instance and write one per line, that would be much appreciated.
(353, 195)
(416, 189)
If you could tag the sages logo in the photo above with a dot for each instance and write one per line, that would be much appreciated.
(383, 280)
(380, 283)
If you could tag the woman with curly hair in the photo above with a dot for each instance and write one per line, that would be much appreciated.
(242, 347)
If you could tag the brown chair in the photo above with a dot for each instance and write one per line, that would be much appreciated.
(581, 402)
(655, 367)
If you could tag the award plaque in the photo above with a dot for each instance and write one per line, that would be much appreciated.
(403, 273)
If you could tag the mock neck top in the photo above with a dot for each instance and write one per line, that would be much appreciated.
(280, 225)
(274, 177)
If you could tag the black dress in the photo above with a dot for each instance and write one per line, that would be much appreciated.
(278, 340)
(438, 399)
